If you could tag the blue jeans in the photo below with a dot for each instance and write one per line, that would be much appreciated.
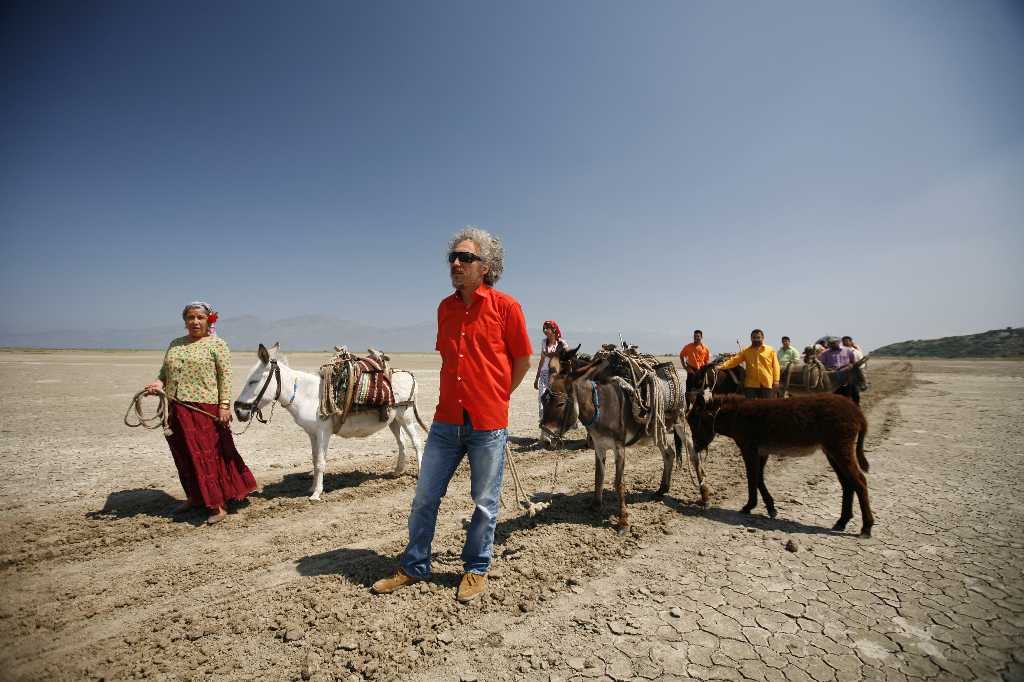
(446, 445)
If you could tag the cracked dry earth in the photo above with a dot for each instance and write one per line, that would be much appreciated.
(100, 582)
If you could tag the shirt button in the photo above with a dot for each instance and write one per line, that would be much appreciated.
(459, 378)
(460, 355)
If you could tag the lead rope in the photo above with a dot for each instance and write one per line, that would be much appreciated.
(531, 508)
(162, 416)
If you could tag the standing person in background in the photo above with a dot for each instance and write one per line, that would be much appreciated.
(196, 376)
(787, 354)
(858, 372)
(854, 348)
(694, 356)
(485, 353)
(762, 365)
(552, 345)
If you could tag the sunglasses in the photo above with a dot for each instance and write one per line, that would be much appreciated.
(464, 257)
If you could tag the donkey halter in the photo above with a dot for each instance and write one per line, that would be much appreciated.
(562, 400)
(253, 407)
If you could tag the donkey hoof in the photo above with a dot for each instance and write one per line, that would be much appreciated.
(314, 498)
(772, 513)
(660, 492)
(622, 530)
(839, 527)
(865, 533)
(747, 509)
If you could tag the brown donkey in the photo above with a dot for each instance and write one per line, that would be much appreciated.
(790, 426)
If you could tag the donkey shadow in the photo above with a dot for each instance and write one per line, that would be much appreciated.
(299, 484)
(525, 444)
(575, 508)
(735, 517)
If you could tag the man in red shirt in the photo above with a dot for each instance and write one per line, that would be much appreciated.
(694, 356)
(485, 353)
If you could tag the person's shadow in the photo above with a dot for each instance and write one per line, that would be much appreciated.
(127, 504)
(361, 566)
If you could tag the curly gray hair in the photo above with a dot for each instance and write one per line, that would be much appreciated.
(490, 250)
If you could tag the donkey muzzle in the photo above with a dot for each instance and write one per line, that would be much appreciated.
(243, 411)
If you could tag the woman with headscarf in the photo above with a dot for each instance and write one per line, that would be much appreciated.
(196, 376)
(550, 347)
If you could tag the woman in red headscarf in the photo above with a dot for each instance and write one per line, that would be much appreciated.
(551, 346)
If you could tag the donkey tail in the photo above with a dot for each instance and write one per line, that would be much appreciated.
(861, 459)
(679, 447)
(415, 409)
(416, 413)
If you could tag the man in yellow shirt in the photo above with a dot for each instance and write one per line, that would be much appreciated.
(762, 367)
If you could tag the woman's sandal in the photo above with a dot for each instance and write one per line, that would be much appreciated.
(216, 518)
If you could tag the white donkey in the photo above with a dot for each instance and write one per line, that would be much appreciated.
(299, 393)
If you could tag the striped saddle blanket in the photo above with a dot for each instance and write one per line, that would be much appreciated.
(373, 388)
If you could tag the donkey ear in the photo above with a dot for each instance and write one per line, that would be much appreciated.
(572, 353)
(263, 354)
(275, 349)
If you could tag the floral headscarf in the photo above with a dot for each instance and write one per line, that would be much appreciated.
(211, 314)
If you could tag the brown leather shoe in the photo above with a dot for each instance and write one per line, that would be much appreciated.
(397, 581)
(471, 586)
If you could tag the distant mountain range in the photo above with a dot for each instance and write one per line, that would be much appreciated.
(306, 333)
(997, 343)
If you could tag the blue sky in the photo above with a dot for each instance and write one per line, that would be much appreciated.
(804, 167)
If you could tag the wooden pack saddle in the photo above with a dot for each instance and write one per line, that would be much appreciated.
(657, 392)
(349, 383)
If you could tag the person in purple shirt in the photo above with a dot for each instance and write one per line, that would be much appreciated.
(840, 359)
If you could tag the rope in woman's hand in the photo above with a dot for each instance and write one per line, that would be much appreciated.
(162, 416)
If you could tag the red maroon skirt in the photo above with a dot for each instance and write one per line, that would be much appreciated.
(209, 466)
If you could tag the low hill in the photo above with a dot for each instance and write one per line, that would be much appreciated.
(997, 343)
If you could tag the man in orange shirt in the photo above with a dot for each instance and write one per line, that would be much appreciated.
(485, 353)
(694, 356)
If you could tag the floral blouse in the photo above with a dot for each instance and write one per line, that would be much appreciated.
(197, 372)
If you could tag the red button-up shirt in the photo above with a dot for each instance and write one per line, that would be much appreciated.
(477, 344)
